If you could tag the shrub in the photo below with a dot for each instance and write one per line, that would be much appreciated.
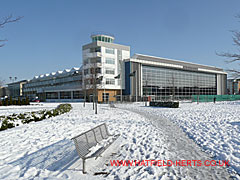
(6, 124)
(169, 104)
(33, 116)
(6, 102)
(23, 102)
(27, 101)
(10, 101)
(18, 101)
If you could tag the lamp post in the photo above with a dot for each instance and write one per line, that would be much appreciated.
(85, 93)
(131, 75)
(119, 77)
(121, 68)
(98, 81)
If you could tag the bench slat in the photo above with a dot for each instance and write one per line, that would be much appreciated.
(81, 146)
(85, 141)
(98, 134)
(104, 132)
(91, 139)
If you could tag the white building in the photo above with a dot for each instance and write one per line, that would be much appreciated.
(108, 57)
(135, 77)
(57, 86)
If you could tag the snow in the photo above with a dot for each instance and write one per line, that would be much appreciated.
(44, 149)
(214, 127)
(7, 110)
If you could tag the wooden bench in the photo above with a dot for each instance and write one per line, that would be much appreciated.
(91, 138)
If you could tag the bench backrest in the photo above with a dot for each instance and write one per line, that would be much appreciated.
(88, 139)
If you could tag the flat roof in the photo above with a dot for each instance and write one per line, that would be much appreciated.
(160, 61)
(18, 82)
(105, 44)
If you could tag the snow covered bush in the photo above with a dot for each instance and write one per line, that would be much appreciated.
(23, 118)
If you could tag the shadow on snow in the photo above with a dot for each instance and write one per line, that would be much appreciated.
(55, 157)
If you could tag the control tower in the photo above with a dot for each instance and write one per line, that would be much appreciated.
(107, 57)
(102, 37)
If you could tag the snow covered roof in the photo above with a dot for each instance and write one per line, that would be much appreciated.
(58, 73)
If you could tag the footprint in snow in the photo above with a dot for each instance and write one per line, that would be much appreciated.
(134, 140)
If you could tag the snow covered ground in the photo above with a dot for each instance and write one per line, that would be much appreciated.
(44, 150)
(7, 110)
(214, 127)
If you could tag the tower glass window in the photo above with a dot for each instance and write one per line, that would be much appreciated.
(110, 61)
(110, 71)
(109, 50)
(110, 81)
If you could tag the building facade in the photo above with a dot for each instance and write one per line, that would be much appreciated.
(109, 67)
(16, 88)
(233, 86)
(4, 92)
(57, 86)
(107, 58)
(163, 78)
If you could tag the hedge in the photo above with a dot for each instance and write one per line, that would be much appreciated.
(10, 101)
(24, 118)
(169, 104)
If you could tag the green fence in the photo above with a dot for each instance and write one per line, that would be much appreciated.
(210, 98)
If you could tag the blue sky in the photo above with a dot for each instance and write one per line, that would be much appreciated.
(51, 34)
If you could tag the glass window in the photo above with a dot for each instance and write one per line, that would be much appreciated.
(109, 50)
(97, 49)
(85, 61)
(110, 71)
(105, 97)
(85, 71)
(77, 95)
(51, 95)
(110, 61)
(65, 95)
(110, 81)
(165, 82)
(95, 60)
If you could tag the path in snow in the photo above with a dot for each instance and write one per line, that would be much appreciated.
(183, 148)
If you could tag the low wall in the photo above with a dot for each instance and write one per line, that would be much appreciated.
(64, 100)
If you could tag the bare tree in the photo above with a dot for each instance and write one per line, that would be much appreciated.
(85, 91)
(7, 20)
(1, 83)
(233, 57)
(92, 82)
(172, 82)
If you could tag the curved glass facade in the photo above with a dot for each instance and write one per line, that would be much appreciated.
(102, 38)
(160, 81)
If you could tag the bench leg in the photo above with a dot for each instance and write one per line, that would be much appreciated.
(83, 170)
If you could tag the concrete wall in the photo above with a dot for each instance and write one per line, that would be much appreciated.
(221, 84)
